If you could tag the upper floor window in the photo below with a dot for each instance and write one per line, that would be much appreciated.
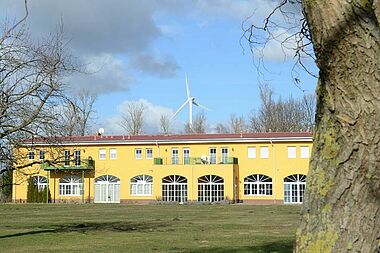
(113, 154)
(213, 155)
(77, 157)
(175, 156)
(305, 153)
(264, 152)
(251, 152)
(149, 153)
(186, 156)
(102, 154)
(31, 155)
(224, 152)
(42, 155)
(138, 153)
(292, 152)
(66, 157)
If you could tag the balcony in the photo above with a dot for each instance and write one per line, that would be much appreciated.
(204, 160)
(84, 164)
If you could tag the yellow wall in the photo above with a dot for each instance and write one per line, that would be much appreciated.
(125, 166)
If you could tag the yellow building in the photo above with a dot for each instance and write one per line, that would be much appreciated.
(262, 168)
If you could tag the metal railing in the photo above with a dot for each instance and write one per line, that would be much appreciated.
(203, 160)
(83, 164)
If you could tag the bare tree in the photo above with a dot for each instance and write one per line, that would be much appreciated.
(199, 124)
(341, 211)
(309, 104)
(237, 124)
(31, 85)
(133, 119)
(221, 128)
(290, 115)
(165, 124)
(77, 113)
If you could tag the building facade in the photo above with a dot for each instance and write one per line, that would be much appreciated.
(261, 168)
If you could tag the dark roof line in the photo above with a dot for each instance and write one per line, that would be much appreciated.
(98, 138)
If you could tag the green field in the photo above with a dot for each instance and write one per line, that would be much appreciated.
(147, 228)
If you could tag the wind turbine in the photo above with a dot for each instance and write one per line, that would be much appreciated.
(190, 101)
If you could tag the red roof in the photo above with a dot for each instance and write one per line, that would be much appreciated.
(96, 138)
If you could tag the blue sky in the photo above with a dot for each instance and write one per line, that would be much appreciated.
(140, 50)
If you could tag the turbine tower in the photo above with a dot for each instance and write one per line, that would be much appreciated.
(190, 101)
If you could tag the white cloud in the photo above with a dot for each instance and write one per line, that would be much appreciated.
(236, 9)
(280, 47)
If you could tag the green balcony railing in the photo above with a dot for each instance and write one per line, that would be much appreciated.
(194, 160)
(85, 164)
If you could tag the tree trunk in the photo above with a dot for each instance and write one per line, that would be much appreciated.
(341, 212)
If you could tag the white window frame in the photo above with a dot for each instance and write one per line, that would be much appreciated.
(210, 188)
(258, 185)
(175, 156)
(149, 153)
(41, 155)
(304, 152)
(73, 186)
(251, 152)
(113, 154)
(294, 189)
(186, 155)
(40, 182)
(138, 153)
(292, 152)
(264, 152)
(102, 154)
(213, 155)
(142, 185)
(77, 158)
(107, 189)
(31, 155)
(174, 189)
(224, 155)
(66, 158)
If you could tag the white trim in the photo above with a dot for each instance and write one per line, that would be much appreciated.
(140, 155)
(102, 154)
(113, 153)
(146, 153)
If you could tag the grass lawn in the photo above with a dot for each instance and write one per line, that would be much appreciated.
(147, 228)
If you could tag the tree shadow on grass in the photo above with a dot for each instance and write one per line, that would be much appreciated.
(84, 227)
(270, 247)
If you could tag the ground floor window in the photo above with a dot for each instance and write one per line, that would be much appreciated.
(107, 189)
(70, 186)
(294, 188)
(210, 188)
(174, 188)
(40, 182)
(142, 185)
(258, 185)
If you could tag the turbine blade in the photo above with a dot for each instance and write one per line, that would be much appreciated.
(187, 87)
(179, 109)
(202, 106)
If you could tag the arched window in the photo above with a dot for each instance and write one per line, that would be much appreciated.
(174, 188)
(210, 188)
(40, 181)
(107, 189)
(258, 185)
(70, 186)
(142, 185)
(294, 188)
